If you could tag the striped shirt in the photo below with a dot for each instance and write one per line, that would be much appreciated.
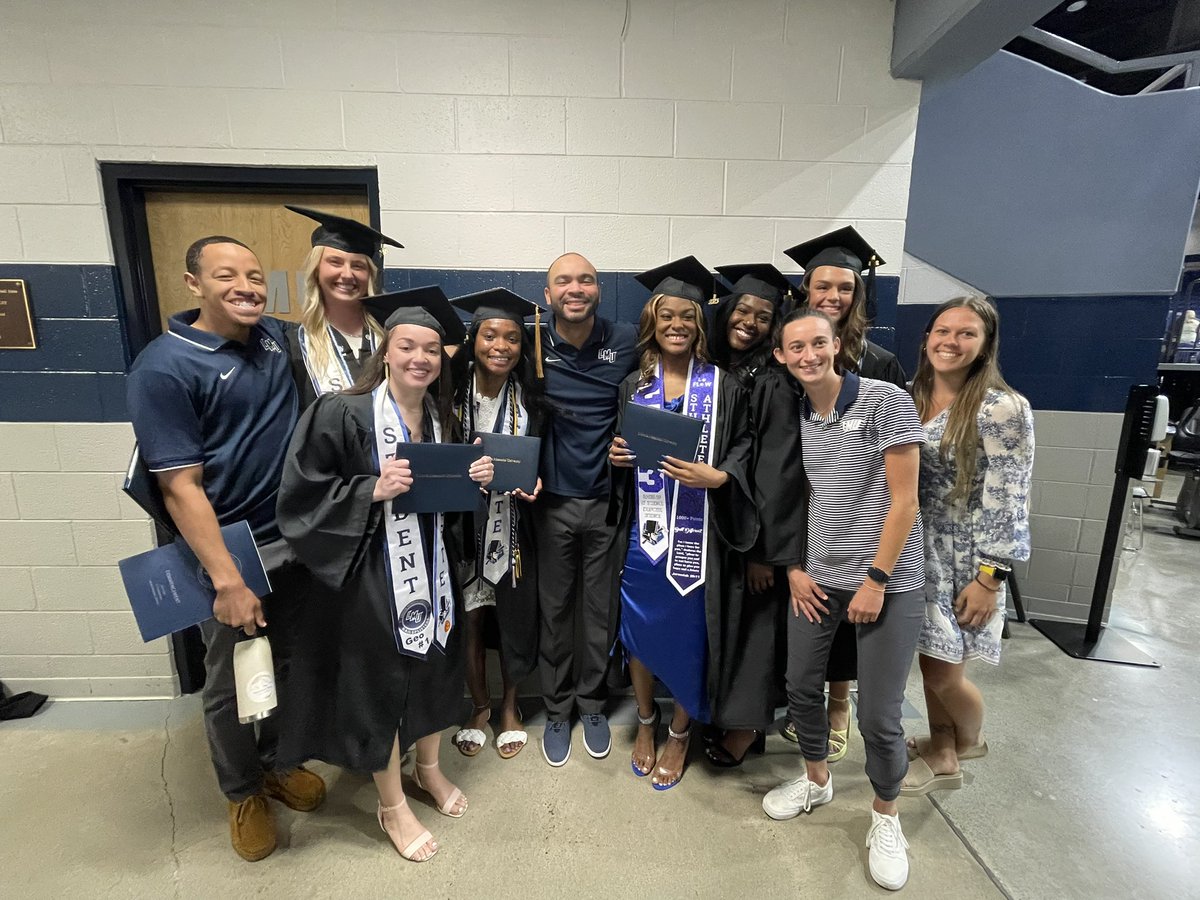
(843, 458)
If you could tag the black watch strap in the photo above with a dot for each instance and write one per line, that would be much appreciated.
(878, 575)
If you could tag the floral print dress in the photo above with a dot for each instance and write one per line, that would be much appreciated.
(991, 525)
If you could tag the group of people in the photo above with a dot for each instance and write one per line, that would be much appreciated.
(834, 520)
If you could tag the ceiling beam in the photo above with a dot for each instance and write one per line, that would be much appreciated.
(934, 39)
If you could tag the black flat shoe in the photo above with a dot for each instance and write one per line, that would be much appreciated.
(723, 759)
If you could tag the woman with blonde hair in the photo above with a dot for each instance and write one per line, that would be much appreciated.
(684, 520)
(976, 472)
(336, 337)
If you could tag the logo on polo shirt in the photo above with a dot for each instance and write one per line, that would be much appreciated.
(609, 356)
(225, 375)
(270, 345)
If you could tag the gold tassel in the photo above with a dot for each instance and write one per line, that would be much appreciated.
(537, 341)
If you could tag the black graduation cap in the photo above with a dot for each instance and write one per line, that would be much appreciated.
(759, 280)
(497, 303)
(844, 248)
(687, 278)
(426, 306)
(501, 303)
(345, 234)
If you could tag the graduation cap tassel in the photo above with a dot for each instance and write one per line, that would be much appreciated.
(537, 343)
(871, 305)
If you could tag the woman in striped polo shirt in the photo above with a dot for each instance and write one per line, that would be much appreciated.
(864, 564)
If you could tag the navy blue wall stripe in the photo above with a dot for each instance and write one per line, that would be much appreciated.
(1065, 353)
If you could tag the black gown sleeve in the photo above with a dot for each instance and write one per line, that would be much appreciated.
(778, 480)
(732, 504)
(620, 478)
(882, 365)
(325, 510)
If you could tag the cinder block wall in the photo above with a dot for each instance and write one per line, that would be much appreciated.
(1072, 487)
(65, 626)
(504, 133)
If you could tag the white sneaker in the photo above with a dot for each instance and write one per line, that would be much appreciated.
(887, 859)
(788, 800)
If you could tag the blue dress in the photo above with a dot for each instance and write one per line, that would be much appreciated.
(665, 632)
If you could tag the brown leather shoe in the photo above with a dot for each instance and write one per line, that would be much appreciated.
(252, 828)
(298, 789)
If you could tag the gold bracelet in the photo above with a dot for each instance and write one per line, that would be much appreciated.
(873, 588)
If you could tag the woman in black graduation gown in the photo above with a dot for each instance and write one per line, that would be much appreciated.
(496, 389)
(335, 336)
(833, 284)
(684, 522)
(379, 661)
(742, 339)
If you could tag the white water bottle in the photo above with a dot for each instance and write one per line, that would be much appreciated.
(254, 676)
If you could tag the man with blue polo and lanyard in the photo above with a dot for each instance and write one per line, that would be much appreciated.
(585, 358)
(213, 406)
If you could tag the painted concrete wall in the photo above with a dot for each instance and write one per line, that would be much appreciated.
(503, 134)
(1029, 183)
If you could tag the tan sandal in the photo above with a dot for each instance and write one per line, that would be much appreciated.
(447, 808)
(409, 851)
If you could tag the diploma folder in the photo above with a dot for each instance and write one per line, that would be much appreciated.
(142, 487)
(440, 479)
(515, 458)
(169, 589)
(653, 433)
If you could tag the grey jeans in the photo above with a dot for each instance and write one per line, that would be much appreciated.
(578, 573)
(885, 653)
(242, 754)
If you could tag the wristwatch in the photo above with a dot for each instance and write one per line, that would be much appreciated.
(878, 575)
(994, 571)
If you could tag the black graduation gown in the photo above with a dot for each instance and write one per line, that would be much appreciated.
(354, 357)
(351, 689)
(516, 612)
(740, 685)
(882, 365)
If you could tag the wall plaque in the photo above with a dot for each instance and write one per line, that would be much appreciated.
(16, 323)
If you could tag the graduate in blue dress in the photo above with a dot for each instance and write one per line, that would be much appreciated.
(683, 520)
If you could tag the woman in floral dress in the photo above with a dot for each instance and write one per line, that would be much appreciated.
(976, 470)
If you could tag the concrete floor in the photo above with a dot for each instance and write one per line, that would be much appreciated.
(1084, 794)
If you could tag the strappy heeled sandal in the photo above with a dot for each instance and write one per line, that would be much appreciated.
(650, 721)
(684, 737)
(409, 851)
(447, 808)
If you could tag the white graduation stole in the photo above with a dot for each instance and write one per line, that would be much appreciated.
(334, 375)
(498, 544)
(422, 601)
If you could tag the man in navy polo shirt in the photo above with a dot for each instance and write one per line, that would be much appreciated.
(585, 359)
(213, 407)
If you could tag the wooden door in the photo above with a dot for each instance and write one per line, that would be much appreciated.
(280, 237)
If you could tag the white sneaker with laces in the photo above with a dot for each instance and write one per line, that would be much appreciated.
(887, 859)
(788, 800)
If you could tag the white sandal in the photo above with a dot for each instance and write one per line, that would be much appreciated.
(476, 736)
(511, 737)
